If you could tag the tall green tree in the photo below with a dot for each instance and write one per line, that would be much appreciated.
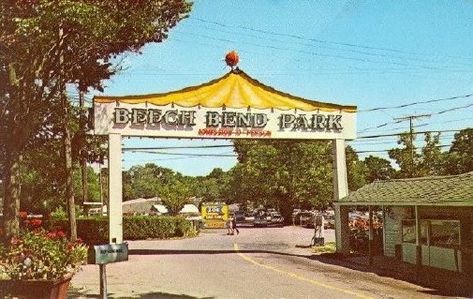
(283, 174)
(377, 168)
(433, 159)
(47, 44)
(175, 196)
(406, 157)
(355, 170)
(460, 155)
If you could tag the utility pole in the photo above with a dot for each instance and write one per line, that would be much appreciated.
(410, 118)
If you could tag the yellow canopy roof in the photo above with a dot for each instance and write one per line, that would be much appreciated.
(234, 90)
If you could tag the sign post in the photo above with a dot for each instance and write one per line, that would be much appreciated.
(103, 281)
(105, 254)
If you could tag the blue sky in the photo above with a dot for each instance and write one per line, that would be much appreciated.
(365, 53)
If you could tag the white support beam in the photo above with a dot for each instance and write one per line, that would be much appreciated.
(340, 190)
(340, 178)
(115, 213)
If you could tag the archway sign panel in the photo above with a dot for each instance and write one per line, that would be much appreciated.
(233, 106)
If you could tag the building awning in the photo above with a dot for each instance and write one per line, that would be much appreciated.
(189, 209)
(453, 190)
(234, 90)
(161, 209)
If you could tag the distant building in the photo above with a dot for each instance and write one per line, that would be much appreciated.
(189, 209)
(140, 206)
(159, 209)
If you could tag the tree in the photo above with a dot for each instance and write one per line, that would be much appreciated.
(47, 44)
(147, 181)
(283, 174)
(460, 155)
(378, 169)
(433, 160)
(355, 170)
(406, 157)
(175, 196)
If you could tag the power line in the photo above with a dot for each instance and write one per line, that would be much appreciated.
(186, 154)
(415, 133)
(174, 147)
(387, 150)
(416, 103)
(312, 45)
(433, 113)
(321, 40)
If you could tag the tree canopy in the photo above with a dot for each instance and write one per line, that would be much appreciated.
(47, 44)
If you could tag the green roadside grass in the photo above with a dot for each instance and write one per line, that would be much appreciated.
(329, 247)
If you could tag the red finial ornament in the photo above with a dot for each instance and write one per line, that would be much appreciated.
(232, 59)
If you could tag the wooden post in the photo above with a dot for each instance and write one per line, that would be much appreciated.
(370, 235)
(418, 245)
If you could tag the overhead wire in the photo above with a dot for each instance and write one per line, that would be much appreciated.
(315, 40)
(430, 114)
(416, 103)
(299, 37)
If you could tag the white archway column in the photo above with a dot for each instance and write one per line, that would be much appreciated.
(340, 190)
(115, 212)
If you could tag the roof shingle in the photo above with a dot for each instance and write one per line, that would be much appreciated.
(441, 190)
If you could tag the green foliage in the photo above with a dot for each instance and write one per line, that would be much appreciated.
(406, 157)
(460, 155)
(283, 174)
(94, 230)
(49, 43)
(377, 169)
(58, 214)
(147, 181)
(175, 196)
(40, 255)
(355, 170)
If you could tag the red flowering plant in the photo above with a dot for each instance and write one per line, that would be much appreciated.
(41, 255)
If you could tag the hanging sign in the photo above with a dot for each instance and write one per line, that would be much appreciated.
(200, 122)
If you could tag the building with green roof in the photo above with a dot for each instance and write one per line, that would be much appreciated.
(427, 221)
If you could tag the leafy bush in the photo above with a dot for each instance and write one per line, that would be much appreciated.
(94, 230)
(40, 255)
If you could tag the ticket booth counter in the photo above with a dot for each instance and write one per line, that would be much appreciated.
(440, 242)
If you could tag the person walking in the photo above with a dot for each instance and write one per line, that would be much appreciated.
(229, 226)
(234, 225)
(318, 238)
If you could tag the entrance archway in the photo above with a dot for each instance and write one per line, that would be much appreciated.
(230, 107)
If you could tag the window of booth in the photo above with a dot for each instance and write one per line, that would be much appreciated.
(444, 233)
(408, 231)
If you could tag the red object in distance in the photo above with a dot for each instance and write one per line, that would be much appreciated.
(232, 58)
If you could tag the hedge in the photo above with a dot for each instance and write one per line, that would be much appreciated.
(94, 230)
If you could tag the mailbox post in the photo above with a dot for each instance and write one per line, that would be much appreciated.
(105, 254)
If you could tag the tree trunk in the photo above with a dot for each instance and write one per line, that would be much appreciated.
(11, 200)
(69, 172)
(83, 161)
(85, 186)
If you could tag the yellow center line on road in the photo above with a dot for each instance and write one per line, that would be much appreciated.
(296, 276)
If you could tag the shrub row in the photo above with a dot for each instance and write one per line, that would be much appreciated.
(94, 230)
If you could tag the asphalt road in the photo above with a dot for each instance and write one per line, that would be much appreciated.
(257, 263)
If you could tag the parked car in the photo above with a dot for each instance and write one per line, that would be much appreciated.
(240, 216)
(260, 220)
(276, 219)
(329, 221)
(306, 219)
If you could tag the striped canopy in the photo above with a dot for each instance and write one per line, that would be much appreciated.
(234, 90)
